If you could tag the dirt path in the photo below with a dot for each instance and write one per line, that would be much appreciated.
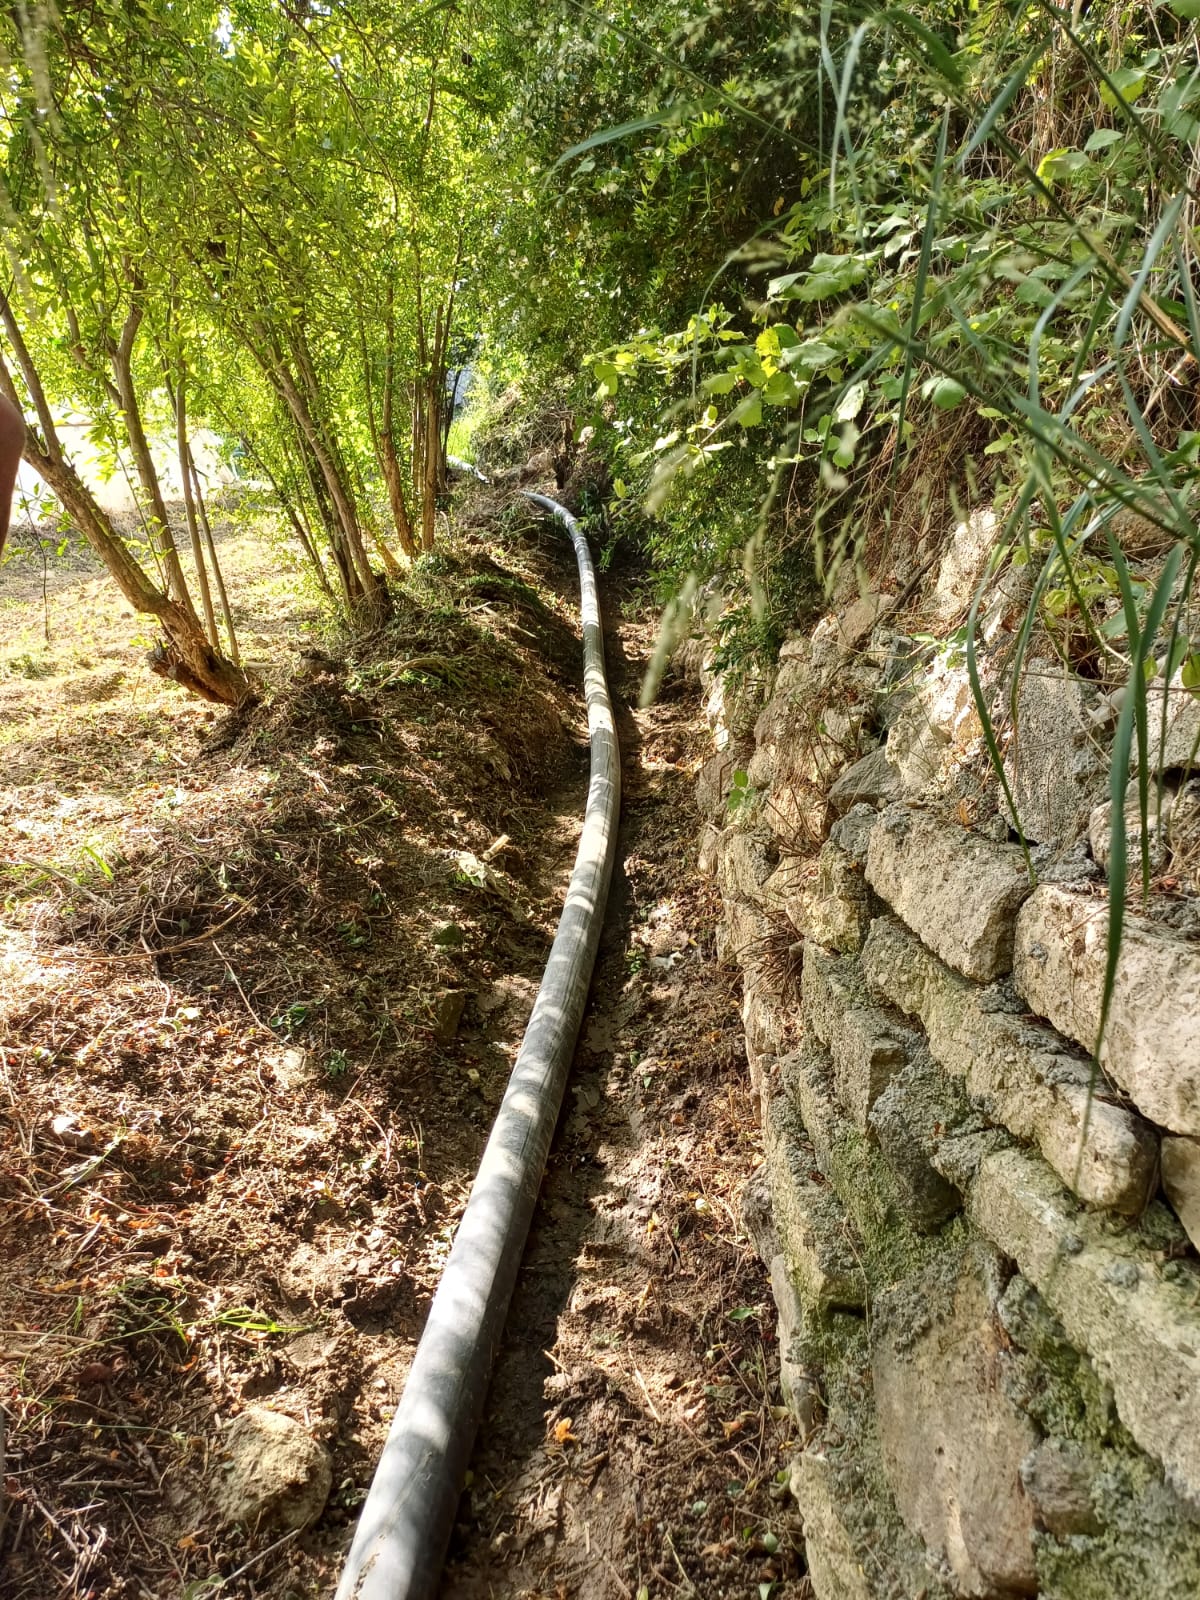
(632, 1444)
(262, 981)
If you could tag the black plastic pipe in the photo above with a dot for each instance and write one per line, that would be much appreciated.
(404, 1526)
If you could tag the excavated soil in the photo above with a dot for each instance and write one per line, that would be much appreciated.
(262, 980)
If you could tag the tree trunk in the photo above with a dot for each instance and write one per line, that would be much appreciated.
(185, 655)
(366, 595)
(386, 453)
(122, 364)
(297, 516)
(189, 508)
(235, 654)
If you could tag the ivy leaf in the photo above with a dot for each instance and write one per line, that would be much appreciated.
(945, 393)
(828, 276)
(749, 412)
(781, 389)
(1063, 165)
(1190, 676)
(767, 343)
(719, 383)
(812, 354)
(608, 378)
(1101, 138)
(1127, 81)
(779, 286)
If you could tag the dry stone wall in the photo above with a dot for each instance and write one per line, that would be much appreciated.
(981, 1240)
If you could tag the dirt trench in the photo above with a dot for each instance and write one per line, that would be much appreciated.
(633, 1444)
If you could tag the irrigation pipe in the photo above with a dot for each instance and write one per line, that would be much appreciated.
(405, 1523)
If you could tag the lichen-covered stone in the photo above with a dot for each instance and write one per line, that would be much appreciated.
(911, 1119)
(958, 891)
(866, 1048)
(1057, 1477)
(814, 1233)
(807, 1078)
(1151, 1044)
(1020, 1073)
(892, 1246)
(799, 1380)
(855, 1544)
(1141, 1331)
(1144, 1541)
(1055, 769)
(1181, 1182)
(756, 1216)
(835, 1566)
(952, 1441)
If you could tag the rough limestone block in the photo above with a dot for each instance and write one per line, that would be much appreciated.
(931, 735)
(853, 832)
(867, 1050)
(814, 1232)
(837, 909)
(872, 780)
(1181, 1182)
(273, 1473)
(800, 1382)
(741, 934)
(911, 1119)
(1054, 766)
(952, 1441)
(743, 866)
(786, 888)
(835, 1567)
(713, 783)
(1160, 803)
(1141, 1332)
(1180, 749)
(1151, 1043)
(964, 563)
(1019, 1072)
(760, 769)
(958, 891)
(764, 1020)
(807, 1077)
(706, 858)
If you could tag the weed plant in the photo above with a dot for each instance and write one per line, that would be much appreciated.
(981, 289)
